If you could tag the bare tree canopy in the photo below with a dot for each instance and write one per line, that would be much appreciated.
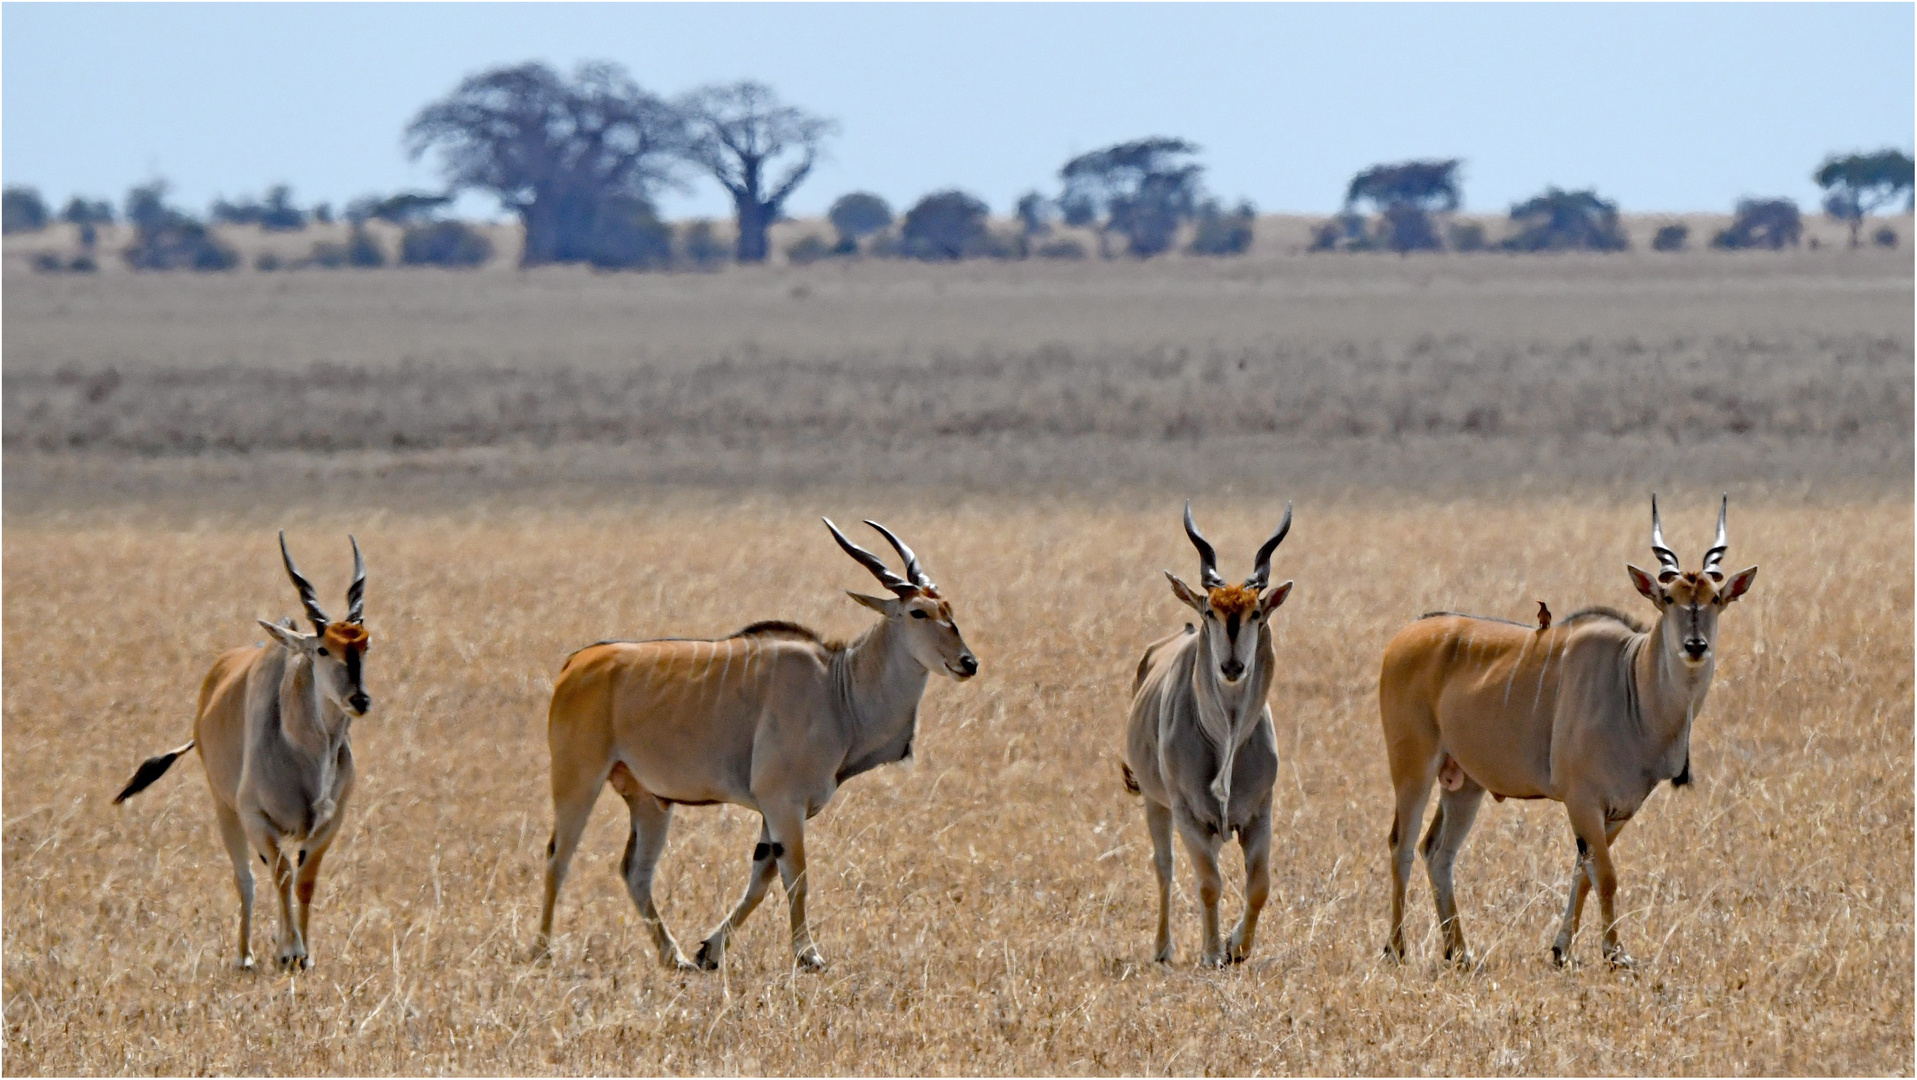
(740, 133)
(1405, 195)
(1857, 185)
(1141, 189)
(552, 149)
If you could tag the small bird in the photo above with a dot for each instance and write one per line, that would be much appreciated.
(1544, 617)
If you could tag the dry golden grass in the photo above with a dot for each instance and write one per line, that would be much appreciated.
(987, 909)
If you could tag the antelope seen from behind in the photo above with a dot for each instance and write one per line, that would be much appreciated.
(1199, 746)
(772, 718)
(1593, 712)
(272, 731)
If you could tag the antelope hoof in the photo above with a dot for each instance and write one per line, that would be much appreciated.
(1394, 951)
(1215, 960)
(245, 964)
(1239, 951)
(708, 958)
(1165, 954)
(1619, 960)
(810, 960)
(1560, 953)
(293, 960)
(1460, 958)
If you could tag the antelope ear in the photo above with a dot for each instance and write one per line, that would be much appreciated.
(1739, 584)
(1646, 584)
(1273, 597)
(292, 640)
(877, 603)
(1196, 601)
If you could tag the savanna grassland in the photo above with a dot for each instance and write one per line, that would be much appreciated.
(534, 462)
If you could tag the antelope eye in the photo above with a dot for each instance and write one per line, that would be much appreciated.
(323, 652)
(917, 614)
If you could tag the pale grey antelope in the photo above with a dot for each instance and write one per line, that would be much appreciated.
(272, 731)
(1199, 745)
(773, 718)
(1593, 712)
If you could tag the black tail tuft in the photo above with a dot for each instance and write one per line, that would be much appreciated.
(1683, 779)
(1131, 782)
(150, 770)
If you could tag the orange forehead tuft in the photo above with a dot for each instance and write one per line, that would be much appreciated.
(1233, 599)
(344, 636)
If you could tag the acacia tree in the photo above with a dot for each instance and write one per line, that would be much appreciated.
(741, 132)
(1559, 220)
(1857, 185)
(551, 149)
(1141, 190)
(1405, 195)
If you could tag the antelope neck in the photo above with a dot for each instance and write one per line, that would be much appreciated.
(878, 684)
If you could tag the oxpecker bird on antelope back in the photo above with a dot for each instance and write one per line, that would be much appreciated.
(272, 731)
(1199, 746)
(1592, 710)
(773, 718)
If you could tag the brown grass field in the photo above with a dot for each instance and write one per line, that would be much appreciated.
(987, 908)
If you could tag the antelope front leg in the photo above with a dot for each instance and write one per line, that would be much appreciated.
(1202, 845)
(787, 828)
(291, 955)
(1158, 822)
(1593, 834)
(1580, 888)
(1256, 840)
(712, 950)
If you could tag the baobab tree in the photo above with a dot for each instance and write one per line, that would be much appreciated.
(742, 134)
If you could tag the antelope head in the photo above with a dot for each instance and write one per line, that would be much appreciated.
(1232, 616)
(915, 608)
(337, 650)
(1689, 603)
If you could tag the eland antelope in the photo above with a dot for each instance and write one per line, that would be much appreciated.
(272, 733)
(773, 718)
(1593, 711)
(1199, 745)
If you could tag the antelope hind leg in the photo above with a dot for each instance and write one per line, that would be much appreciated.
(1457, 810)
(651, 822)
(233, 835)
(1158, 822)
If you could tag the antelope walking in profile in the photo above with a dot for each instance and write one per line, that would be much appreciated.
(1593, 712)
(1199, 745)
(772, 718)
(272, 732)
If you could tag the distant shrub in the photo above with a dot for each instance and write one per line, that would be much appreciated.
(179, 244)
(83, 263)
(1063, 248)
(323, 214)
(1560, 220)
(405, 208)
(276, 214)
(943, 226)
(1762, 223)
(327, 255)
(362, 251)
(1343, 232)
(627, 235)
(808, 249)
(1467, 236)
(1885, 237)
(701, 248)
(1671, 238)
(267, 262)
(1222, 232)
(1408, 228)
(46, 262)
(453, 244)
(87, 213)
(857, 216)
(21, 210)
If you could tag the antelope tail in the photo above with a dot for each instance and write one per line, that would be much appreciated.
(150, 770)
(1131, 782)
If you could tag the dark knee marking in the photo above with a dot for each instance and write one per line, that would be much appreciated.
(302, 858)
(551, 847)
(1584, 849)
(761, 852)
(263, 861)
(776, 849)
(625, 861)
(1394, 832)
(1683, 778)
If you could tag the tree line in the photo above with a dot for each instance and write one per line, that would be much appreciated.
(581, 159)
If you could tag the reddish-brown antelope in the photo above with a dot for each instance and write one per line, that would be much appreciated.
(1199, 745)
(772, 718)
(1593, 712)
(272, 733)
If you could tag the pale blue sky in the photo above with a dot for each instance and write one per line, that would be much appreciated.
(1661, 107)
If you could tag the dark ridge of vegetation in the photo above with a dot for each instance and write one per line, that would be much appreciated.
(1559, 220)
(1772, 224)
(22, 210)
(452, 244)
(1837, 389)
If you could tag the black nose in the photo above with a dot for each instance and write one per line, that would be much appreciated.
(360, 702)
(1697, 649)
(968, 665)
(1232, 668)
